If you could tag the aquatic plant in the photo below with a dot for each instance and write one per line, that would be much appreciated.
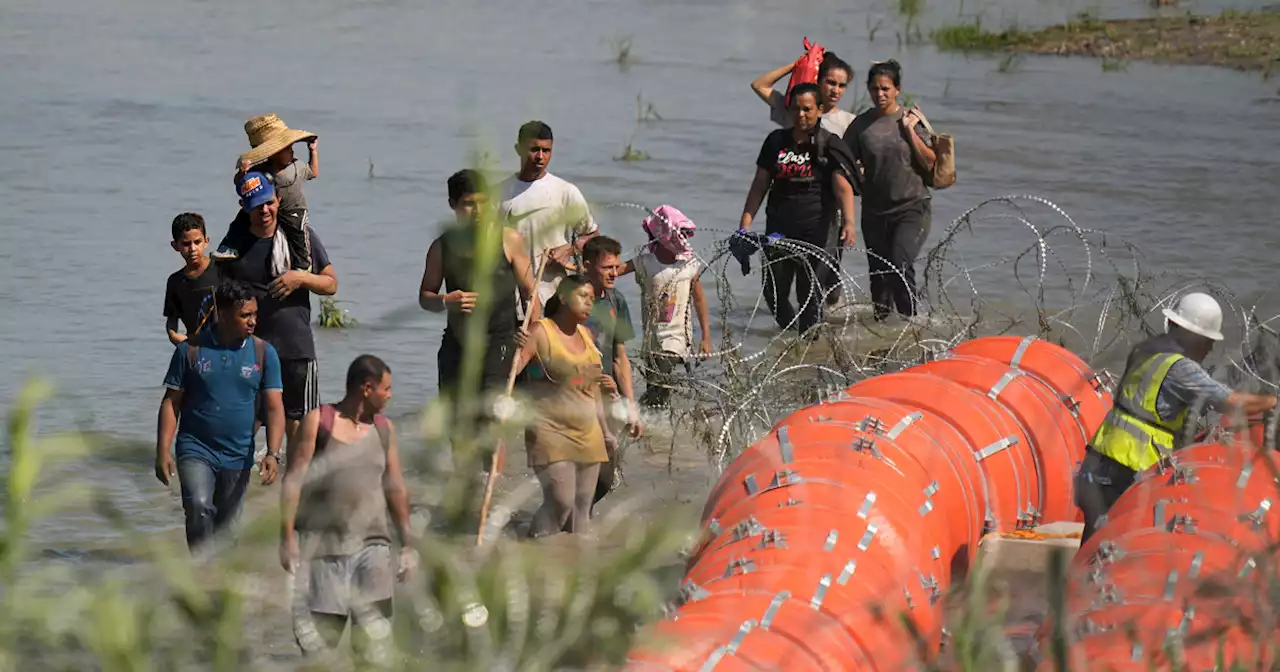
(622, 54)
(646, 111)
(333, 317)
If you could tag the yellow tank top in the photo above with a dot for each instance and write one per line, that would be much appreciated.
(565, 426)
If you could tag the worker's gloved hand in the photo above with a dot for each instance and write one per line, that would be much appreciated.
(743, 244)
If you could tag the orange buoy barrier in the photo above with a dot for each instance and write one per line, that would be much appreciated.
(829, 543)
(1181, 570)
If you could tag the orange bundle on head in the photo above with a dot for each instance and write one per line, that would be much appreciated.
(806, 67)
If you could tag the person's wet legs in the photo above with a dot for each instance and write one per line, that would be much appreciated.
(198, 482)
(909, 230)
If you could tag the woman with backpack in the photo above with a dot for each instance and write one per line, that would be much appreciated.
(893, 147)
(806, 173)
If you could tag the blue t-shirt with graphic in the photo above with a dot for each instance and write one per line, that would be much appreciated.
(218, 409)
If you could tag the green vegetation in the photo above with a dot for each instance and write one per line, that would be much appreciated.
(1241, 40)
(621, 46)
(333, 317)
(630, 153)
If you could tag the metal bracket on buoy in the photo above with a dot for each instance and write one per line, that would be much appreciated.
(747, 528)
(1016, 360)
(868, 502)
(931, 587)
(1245, 473)
(784, 444)
(830, 543)
(1170, 584)
(750, 484)
(847, 573)
(784, 478)
(774, 538)
(745, 564)
(1249, 565)
(692, 592)
(996, 447)
(729, 649)
(1182, 523)
(1073, 406)
(865, 444)
(1183, 475)
(820, 593)
(1197, 561)
(1258, 516)
(1004, 381)
(902, 425)
(865, 542)
(871, 424)
(774, 605)
(1108, 594)
(989, 523)
(1108, 552)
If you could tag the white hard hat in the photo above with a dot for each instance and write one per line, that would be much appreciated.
(1199, 314)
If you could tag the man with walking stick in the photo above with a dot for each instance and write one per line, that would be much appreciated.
(477, 254)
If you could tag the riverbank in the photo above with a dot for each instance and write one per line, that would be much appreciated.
(1239, 40)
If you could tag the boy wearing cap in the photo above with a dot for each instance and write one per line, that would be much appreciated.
(272, 153)
(284, 318)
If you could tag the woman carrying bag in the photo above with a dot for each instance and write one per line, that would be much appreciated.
(895, 149)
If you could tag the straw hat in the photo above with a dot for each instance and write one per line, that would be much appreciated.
(268, 135)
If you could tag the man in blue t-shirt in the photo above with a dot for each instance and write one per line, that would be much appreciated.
(215, 384)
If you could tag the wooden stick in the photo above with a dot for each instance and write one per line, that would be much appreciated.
(500, 455)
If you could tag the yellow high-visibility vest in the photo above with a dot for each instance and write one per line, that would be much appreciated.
(1133, 433)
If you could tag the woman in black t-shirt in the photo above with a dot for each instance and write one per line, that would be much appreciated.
(805, 172)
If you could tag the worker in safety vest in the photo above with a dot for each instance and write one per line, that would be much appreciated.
(1162, 381)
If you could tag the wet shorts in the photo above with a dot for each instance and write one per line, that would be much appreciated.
(301, 387)
(344, 584)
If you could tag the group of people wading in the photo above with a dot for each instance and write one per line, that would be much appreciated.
(245, 356)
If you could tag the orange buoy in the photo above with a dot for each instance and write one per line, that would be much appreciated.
(1045, 419)
(1002, 449)
(852, 515)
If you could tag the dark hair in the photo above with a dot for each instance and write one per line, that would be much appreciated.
(832, 62)
(187, 221)
(600, 245)
(533, 130)
(568, 284)
(231, 292)
(890, 69)
(807, 88)
(465, 183)
(365, 369)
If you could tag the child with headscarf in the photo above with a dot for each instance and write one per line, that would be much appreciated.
(669, 277)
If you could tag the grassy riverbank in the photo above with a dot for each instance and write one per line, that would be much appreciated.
(1240, 40)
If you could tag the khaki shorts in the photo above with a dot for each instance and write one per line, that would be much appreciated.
(343, 584)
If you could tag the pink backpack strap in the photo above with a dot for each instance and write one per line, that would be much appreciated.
(327, 414)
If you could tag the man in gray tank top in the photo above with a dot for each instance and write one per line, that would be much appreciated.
(343, 496)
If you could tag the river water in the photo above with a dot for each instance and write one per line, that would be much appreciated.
(116, 116)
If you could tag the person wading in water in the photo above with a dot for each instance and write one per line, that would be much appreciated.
(343, 498)
(451, 262)
(568, 439)
(216, 381)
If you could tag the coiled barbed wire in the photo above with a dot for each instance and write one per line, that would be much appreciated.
(1087, 289)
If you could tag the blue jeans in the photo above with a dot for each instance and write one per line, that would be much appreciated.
(211, 498)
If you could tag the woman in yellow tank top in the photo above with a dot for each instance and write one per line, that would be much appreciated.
(566, 441)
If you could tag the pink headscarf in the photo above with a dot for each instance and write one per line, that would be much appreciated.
(671, 229)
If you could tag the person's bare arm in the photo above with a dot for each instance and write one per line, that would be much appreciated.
(324, 283)
(166, 429)
(518, 254)
(704, 317)
(622, 371)
(844, 192)
(920, 151)
(397, 495)
(563, 254)
(529, 350)
(313, 148)
(171, 328)
(303, 450)
(1251, 404)
(273, 402)
(763, 85)
(755, 196)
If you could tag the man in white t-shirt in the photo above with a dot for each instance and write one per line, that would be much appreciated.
(549, 212)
